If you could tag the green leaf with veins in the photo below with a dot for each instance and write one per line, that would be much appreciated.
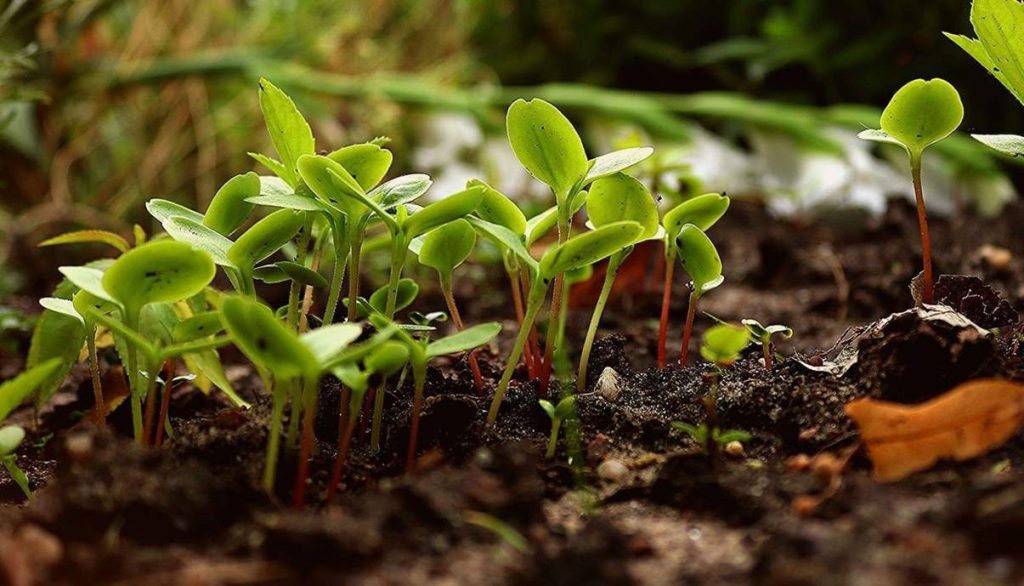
(703, 211)
(620, 197)
(400, 190)
(456, 205)
(327, 342)
(202, 237)
(920, 114)
(1007, 144)
(547, 145)
(265, 340)
(366, 163)
(467, 339)
(448, 246)
(163, 210)
(616, 162)
(700, 258)
(288, 130)
(498, 209)
(265, 238)
(589, 247)
(158, 272)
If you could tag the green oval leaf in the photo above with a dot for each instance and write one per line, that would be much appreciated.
(158, 272)
(722, 343)
(288, 130)
(11, 437)
(15, 391)
(615, 162)
(328, 341)
(290, 202)
(366, 163)
(467, 339)
(400, 190)
(922, 113)
(1007, 144)
(589, 247)
(547, 145)
(198, 326)
(504, 239)
(87, 279)
(620, 197)
(163, 210)
(265, 238)
(387, 359)
(700, 258)
(498, 209)
(89, 236)
(703, 211)
(285, 270)
(202, 237)
(61, 306)
(448, 246)
(443, 211)
(265, 340)
(230, 206)
(407, 292)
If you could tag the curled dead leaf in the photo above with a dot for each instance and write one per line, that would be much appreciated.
(966, 422)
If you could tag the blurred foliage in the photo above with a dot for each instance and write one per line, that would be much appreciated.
(106, 102)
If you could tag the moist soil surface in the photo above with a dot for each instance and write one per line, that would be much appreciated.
(640, 503)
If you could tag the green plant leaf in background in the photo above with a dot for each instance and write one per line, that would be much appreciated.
(89, 236)
(11, 437)
(467, 339)
(17, 390)
(289, 131)
(547, 145)
(722, 343)
(1007, 144)
(616, 162)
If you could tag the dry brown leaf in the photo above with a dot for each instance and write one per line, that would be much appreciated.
(966, 422)
(115, 392)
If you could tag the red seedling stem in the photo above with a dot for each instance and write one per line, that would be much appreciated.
(517, 301)
(533, 342)
(305, 451)
(691, 312)
(346, 427)
(768, 351)
(449, 299)
(97, 384)
(666, 302)
(922, 223)
(549, 344)
(419, 380)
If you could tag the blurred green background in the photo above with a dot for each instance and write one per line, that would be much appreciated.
(105, 103)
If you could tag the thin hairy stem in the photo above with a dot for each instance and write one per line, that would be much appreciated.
(609, 281)
(922, 224)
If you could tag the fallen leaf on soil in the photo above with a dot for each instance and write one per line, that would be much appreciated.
(966, 422)
(115, 391)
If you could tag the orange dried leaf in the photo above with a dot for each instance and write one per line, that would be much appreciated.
(966, 422)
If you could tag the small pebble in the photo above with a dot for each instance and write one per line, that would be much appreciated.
(612, 471)
(609, 384)
(79, 447)
(734, 449)
(995, 256)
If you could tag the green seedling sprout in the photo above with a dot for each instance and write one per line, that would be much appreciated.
(380, 362)
(551, 150)
(704, 266)
(613, 198)
(703, 212)
(763, 337)
(289, 357)
(445, 248)
(579, 251)
(558, 414)
(14, 392)
(999, 48)
(722, 345)
(157, 272)
(920, 114)
(421, 351)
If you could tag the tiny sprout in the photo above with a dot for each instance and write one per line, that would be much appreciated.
(558, 414)
(703, 212)
(723, 343)
(704, 266)
(11, 437)
(702, 436)
(763, 337)
(920, 114)
(721, 346)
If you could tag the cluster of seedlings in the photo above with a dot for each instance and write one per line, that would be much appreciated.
(304, 227)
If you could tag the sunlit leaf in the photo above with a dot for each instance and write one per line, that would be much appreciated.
(328, 341)
(443, 211)
(498, 209)
(229, 206)
(448, 246)
(89, 236)
(467, 339)
(366, 163)
(546, 143)
(700, 258)
(400, 190)
(620, 197)
(163, 210)
(722, 343)
(202, 237)
(265, 340)
(17, 390)
(288, 130)
(702, 211)
(265, 238)
(1007, 144)
(615, 162)
(158, 272)
(589, 247)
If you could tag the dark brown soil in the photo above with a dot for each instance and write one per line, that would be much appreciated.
(641, 503)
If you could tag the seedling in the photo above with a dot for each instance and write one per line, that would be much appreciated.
(551, 150)
(704, 266)
(611, 199)
(763, 337)
(721, 346)
(11, 437)
(13, 393)
(289, 357)
(558, 414)
(578, 251)
(919, 115)
(703, 212)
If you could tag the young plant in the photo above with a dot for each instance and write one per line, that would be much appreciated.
(999, 48)
(721, 346)
(614, 198)
(291, 359)
(703, 212)
(558, 414)
(920, 114)
(13, 393)
(551, 150)
(763, 337)
(704, 266)
(444, 248)
(576, 252)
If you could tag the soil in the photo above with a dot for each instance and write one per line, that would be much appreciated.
(640, 503)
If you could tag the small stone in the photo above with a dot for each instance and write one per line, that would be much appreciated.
(612, 471)
(996, 257)
(609, 384)
(79, 447)
(734, 449)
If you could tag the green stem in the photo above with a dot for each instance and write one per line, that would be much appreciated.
(300, 257)
(94, 371)
(609, 280)
(341, 251)
(295, 392)
(666, 303)
(536, 299)
(353, 278)
(274, 443)
(398, 246)
(922, 224)
(419, 376)
(377, 422)
(134, 384)
(558, 297)
(11, 464)
(556, 425)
